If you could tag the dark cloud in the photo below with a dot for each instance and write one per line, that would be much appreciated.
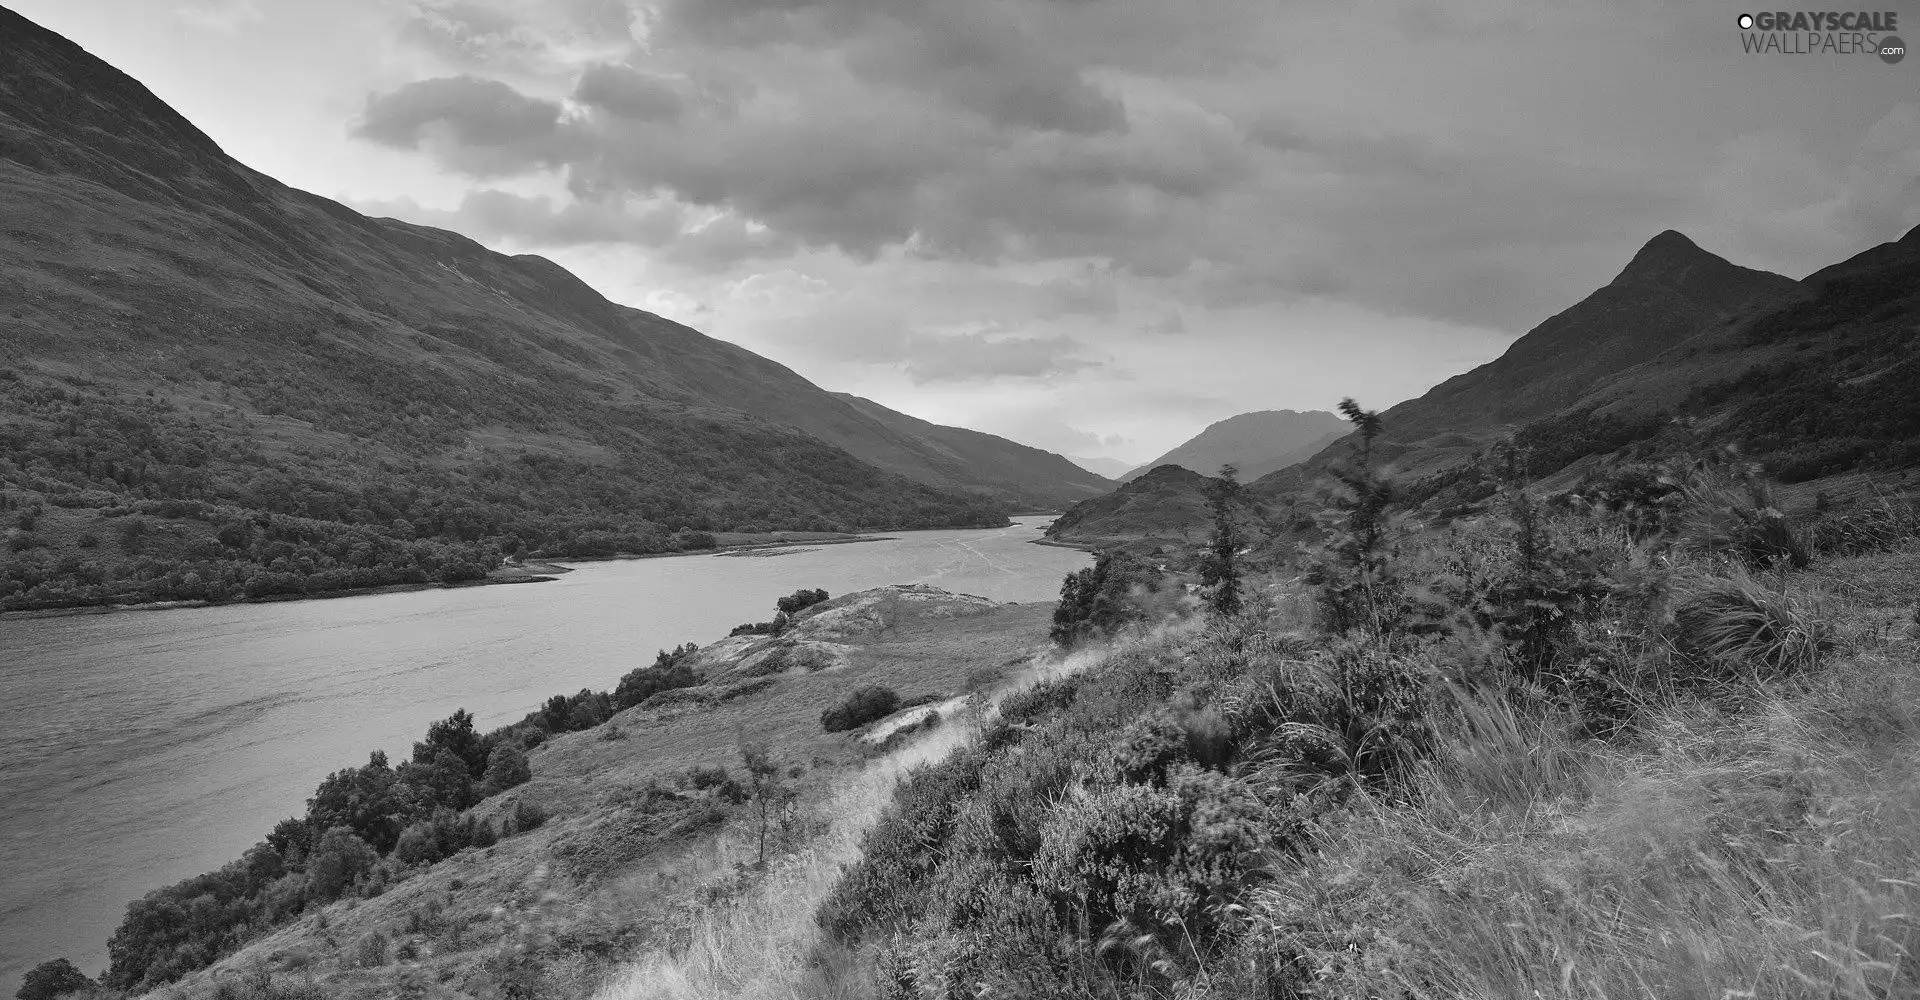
(481, 127)
(1229, 152)
(981, 57)
(627, 93)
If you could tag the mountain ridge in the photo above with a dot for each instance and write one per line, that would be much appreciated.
(191, 344)
(1256, 443)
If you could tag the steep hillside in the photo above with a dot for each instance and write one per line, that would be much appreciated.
(1256, 443)
(256, 390)
(1671, 292)
(1001, 468)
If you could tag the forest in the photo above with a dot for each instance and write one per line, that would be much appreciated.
(108, 496)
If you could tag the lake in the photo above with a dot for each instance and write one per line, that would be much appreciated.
(142, 747)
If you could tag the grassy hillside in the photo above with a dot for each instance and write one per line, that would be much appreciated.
(1167, 508)
(292, 397)
(1563, 754)
(623, 830)
(999, 466)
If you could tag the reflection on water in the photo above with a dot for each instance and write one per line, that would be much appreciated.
(139, 748)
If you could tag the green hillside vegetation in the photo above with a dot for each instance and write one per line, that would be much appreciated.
(1557, 751)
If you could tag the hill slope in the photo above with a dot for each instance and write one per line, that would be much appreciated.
(1170, 502)
(1671, 292)
(1256, 443)
(188, 344)
(1002, 468)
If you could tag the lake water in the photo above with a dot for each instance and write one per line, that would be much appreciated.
(143, 747)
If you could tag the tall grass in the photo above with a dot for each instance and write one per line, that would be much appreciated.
(1773, 853)
(765, 945)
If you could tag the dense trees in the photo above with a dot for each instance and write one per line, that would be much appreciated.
(188, 501)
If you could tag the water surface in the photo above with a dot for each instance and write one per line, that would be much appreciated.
(142, 747)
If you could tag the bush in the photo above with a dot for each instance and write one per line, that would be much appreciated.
(370, 952)
(50, 979)
(525, 817)
(1102, 599)
(669, 670)
(859, 708)
(340, 860)
(1746, 629)
(507, 767)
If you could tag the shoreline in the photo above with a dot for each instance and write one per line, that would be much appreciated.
(543, 570)
(1057, 544)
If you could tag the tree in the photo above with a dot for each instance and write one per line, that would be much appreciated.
(340, 860)
(1354, 567)
(1101, 599)
(507, 767)
(443, 781)
(454, 733)
(364, 800)
(763, 780)
(1220, 571)
(51, 979)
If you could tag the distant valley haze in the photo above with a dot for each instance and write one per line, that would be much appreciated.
(1117, 222)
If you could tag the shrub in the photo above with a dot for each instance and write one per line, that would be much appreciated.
(370, 951)
(1101, 599)
(862, 706)
(525, 817)
(50, 979)
(1745, 628)
(340, 860)
(507, 767)
(670, 670)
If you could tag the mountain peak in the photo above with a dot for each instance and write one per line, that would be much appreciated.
(1665, 257)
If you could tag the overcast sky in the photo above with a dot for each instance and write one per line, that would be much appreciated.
(1091, 225)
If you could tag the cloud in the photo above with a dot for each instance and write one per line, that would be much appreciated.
(481, 127)
(227, 16)
(1786, 202)
(628, 93)
(517, 36)
(972, 357)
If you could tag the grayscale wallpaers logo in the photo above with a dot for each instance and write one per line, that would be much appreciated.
(1823, 32)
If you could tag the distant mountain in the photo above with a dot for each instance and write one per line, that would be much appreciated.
(970, 459)
(188, 340)
(1109, 468)
(1256, 443)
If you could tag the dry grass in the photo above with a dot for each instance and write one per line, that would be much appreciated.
(765, 945)
(1768, 852)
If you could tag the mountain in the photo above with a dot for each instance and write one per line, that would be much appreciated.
(1110, 468)
(293, 396)
(1669, 293)
(970, 459)
(1256, 443)
(1812, 378)
(1169, 502)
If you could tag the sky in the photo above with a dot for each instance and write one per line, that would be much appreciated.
(1094, 226)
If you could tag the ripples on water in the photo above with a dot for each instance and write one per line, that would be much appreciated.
(140, 748)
